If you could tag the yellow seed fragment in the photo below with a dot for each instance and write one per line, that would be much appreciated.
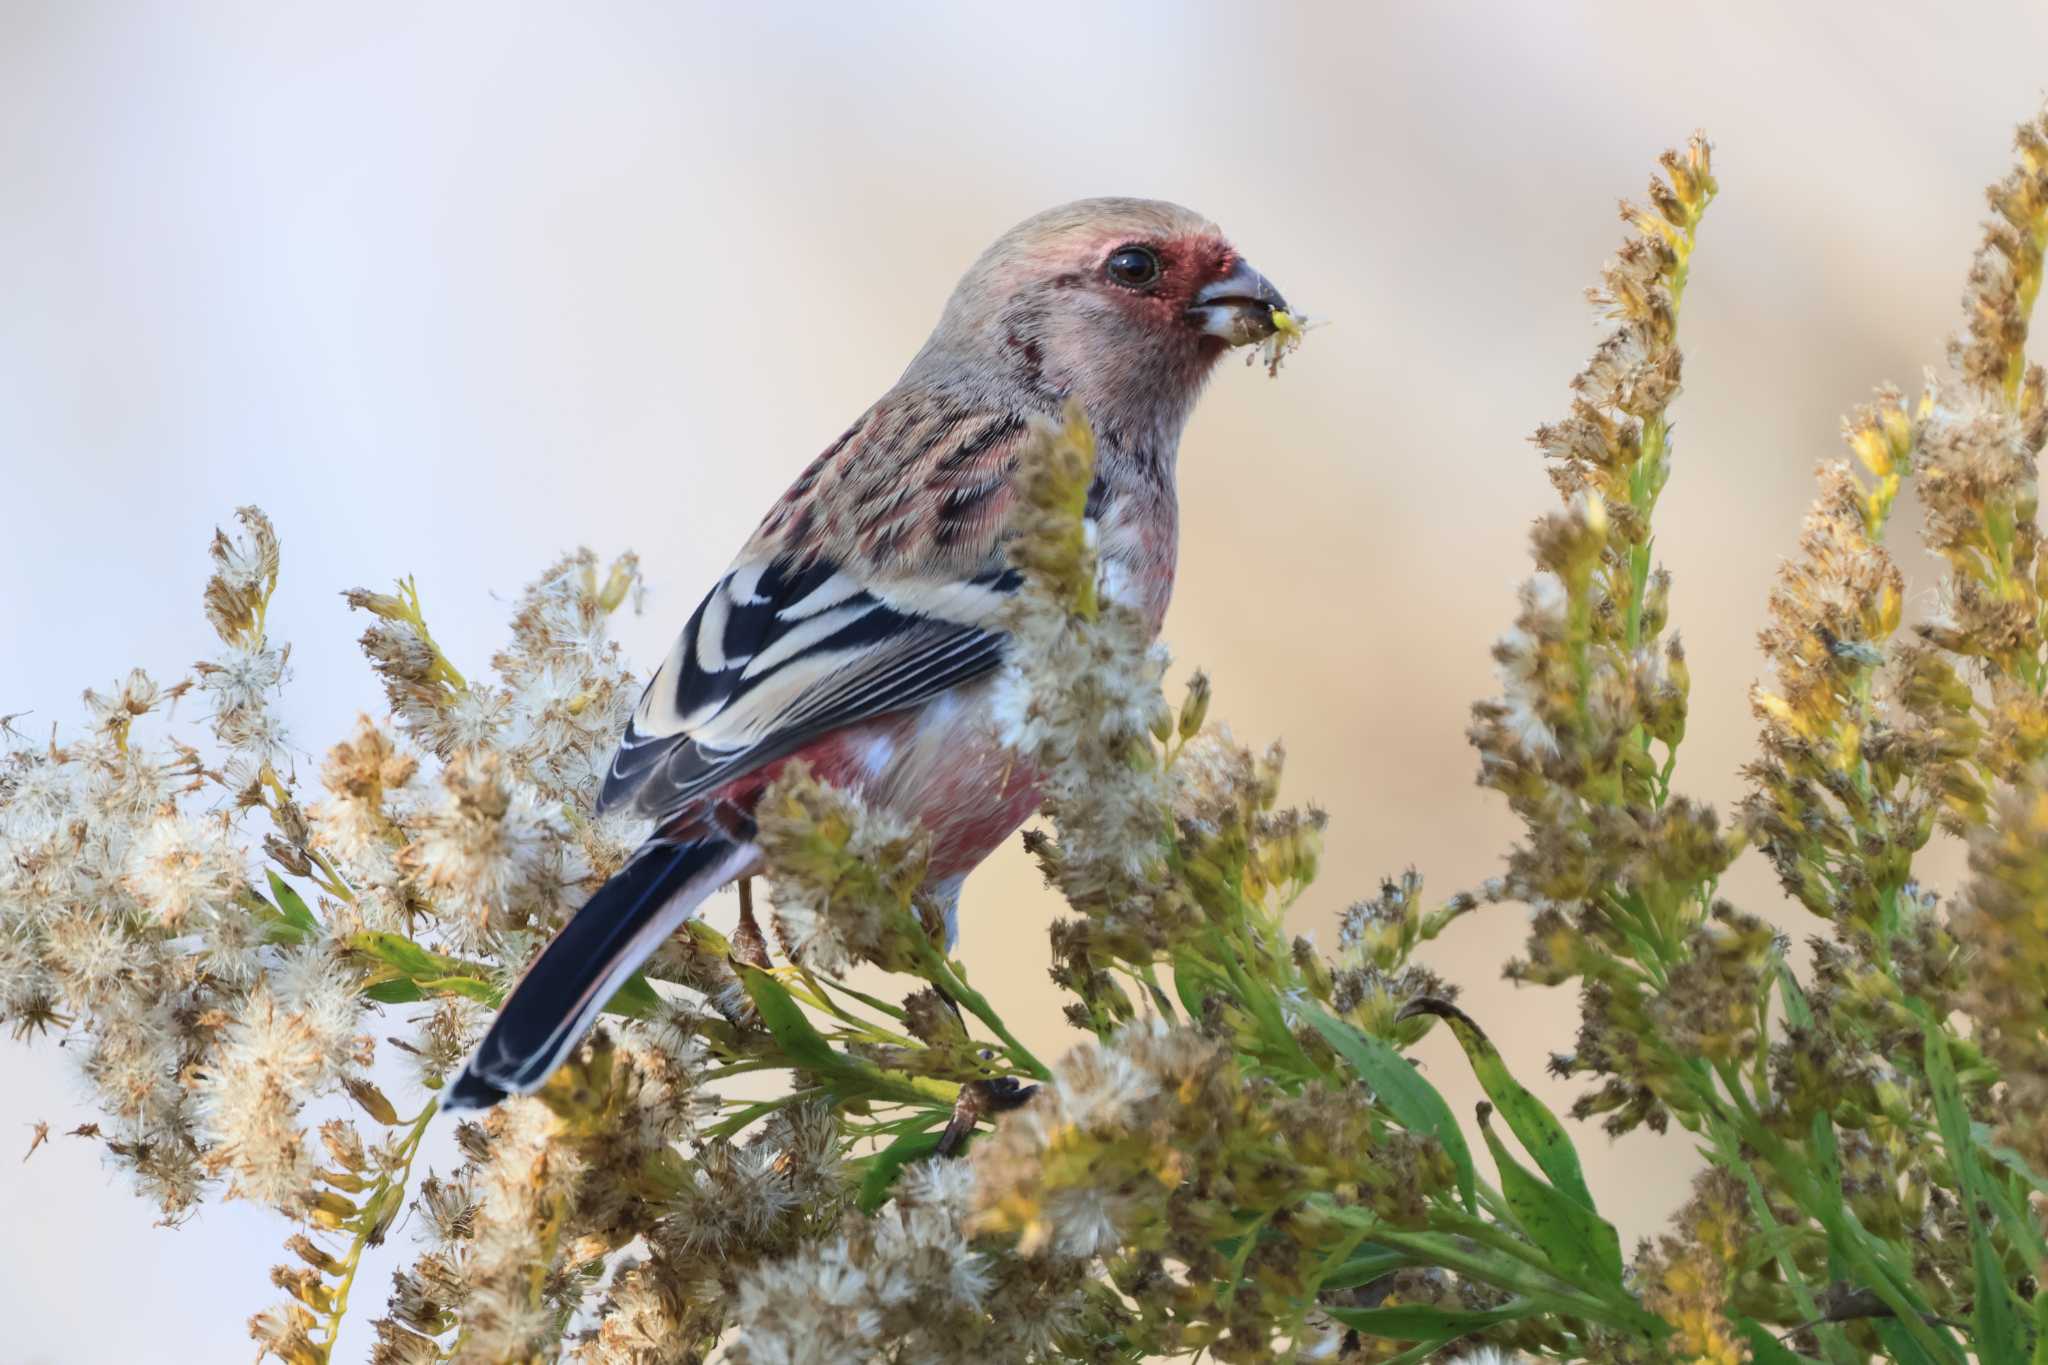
(1288, 331)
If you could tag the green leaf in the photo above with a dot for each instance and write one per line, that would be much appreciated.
(786, 1020)
(406, 972)
(1854, 1254)
(292, 907)
(1400, 1087)
(1364, 1268)
(2041, 1329)
(1833, 1342)
(1999, 1337)
(1189, 978)
(1760, 1250)
(884, 1166)
(1827, 1160)
(403, 955)
(1529, 1118)
(637, 999)
(1420, 1323)
(1415, 1355)
(1764, 1348)
(713, 942)
(1900, 1344)
(2008, 1158)
(2008, 1200)
(1798, 1013)
(481, 991)
(1578, 1240)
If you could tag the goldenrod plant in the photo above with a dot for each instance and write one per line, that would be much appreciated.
(760, 1158)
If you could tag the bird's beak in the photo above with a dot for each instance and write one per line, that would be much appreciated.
(1239, 307)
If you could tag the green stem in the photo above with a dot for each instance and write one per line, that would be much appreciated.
(1229, 953)
(1509, 1273)
(1248, 1244)
(1150, 976)
(373, 1213)
(1864, 1256)
(748, 1113)
(872, 1002)
(1500, 1239)
(819, 998)
(940, 973)
(1831, 1337)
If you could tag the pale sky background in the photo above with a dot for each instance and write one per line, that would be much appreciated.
(449, 289)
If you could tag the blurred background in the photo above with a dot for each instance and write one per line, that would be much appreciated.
(449, 289)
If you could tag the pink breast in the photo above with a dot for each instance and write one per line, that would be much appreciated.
(939, 764)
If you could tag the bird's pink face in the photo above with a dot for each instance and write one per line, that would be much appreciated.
(1124, 304)
(1188, 290)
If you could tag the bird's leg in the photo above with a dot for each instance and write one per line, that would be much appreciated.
(967, 1111)
(990, 1095)
(748, 943)
(931, 917)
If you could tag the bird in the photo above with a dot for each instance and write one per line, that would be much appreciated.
(860, 628)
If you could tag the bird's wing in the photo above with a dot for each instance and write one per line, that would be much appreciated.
(876, 583)
(780, 653)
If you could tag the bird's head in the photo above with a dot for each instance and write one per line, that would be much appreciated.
(1125, 304)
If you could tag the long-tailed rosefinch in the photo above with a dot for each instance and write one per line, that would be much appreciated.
(858, 628)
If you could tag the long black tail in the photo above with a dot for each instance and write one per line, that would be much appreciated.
(603, 943)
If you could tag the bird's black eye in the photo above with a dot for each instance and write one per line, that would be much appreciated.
(1134, 267)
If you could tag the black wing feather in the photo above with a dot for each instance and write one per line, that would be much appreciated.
(890, 659)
